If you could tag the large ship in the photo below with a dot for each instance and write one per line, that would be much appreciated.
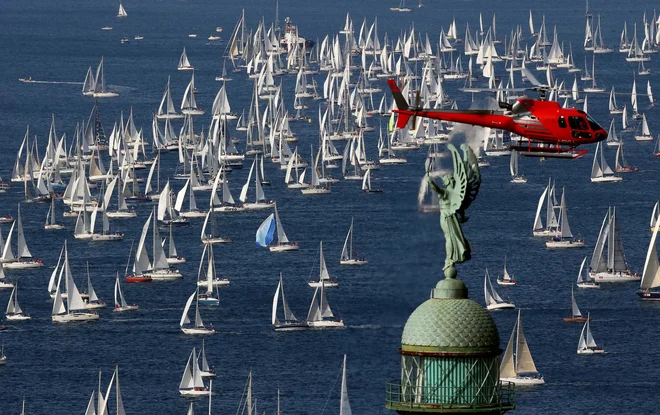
(290, 36)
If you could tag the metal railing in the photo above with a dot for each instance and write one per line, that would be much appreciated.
(456, 399)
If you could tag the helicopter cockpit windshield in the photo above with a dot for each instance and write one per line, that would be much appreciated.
(593, 124)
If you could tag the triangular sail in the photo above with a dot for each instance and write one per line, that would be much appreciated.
(281, 235)
(575, 310)
(651, 274)
(508, 367)
(524, 361)
(344, 404)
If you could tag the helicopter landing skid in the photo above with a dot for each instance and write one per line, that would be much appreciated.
(549, 152)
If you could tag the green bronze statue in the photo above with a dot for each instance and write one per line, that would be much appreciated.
(460, 190)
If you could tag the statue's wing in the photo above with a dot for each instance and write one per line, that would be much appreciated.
(460, 180)
(473, 177)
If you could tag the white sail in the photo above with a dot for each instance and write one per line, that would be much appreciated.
(281, 235)
(575, 310)
(23, 251)
(524, 361)
(651, 274)
(184, 316)
(344, 404)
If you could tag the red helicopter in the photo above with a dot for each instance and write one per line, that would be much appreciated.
(551, 131)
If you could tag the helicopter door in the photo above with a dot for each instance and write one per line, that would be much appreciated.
(579, 127)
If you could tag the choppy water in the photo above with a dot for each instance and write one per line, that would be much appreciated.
(55, 367)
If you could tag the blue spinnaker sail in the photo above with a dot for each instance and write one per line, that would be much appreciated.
(266, 231)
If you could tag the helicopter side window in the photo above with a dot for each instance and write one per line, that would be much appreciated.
(593, 124)
(562, 122)
(579, 126)
(578, 123)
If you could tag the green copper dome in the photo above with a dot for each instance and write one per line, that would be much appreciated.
(450, 325)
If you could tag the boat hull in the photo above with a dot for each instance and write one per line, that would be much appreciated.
(74, 317)
(524, 380)
(56, 226)
(575, 319)
(198, 331)
(119, 309)
(107, 237)
(648, 295)
(136, 279)
(327, 284)
(325, 324)
(23, 264)
(194, 393)
(588, 284)
(614, 276)
(283, 247)
(501, 306)
(17, 317)
(564, 244)
(290, 326)
(353, 262)
(217, 240)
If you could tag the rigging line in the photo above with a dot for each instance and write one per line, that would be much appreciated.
(330, 391)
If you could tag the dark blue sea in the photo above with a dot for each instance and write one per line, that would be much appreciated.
(55, 367)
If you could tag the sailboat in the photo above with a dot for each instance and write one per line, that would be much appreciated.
(649, 288)
(99, 89)
(645, 134)
(210, 296)
(198, 327)
(587, 344)
(283, 244)
(324, 275)
(122, 11)
(92, 301)
(192, 384)
(576, 315)
(184, 63)
(106, 234)
(203, 278)
(513, 167)
(120, 302)
(492, 298)
(320, 314)
(14, 311)
(23, 258)
(75, 309)
(402, 7)
(594, 87)
(51, 222)
(347, 255)
(517, 364)
(581, 282)
(173, 256)
(290, 322)
(610, 266)
(316, 187)
(506, 279)
(552, 225)
(166, 109)
(621, 166)
(366, 183)
(565, 238)
(205, 370)
(602, 172)
(614, 109)
(260, 198)
(212, 237)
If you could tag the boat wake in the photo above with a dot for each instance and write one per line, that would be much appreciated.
(32, 81)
